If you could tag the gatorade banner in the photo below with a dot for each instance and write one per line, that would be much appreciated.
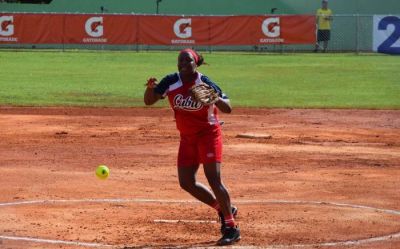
(260, 30)
(285, 30)
(100, 29)
(156, 30)
(174, 30)
(227, 30)
(31, 28)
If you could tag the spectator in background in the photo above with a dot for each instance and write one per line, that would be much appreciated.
(324, 18)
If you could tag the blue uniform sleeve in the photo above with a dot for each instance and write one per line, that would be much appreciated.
(211, 83)
(164, 84)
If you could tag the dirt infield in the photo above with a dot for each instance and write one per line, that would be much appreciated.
(325, 179)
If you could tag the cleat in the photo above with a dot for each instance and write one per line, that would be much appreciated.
(222, 219)
(231, 235)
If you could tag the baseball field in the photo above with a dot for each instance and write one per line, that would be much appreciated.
(327, 176)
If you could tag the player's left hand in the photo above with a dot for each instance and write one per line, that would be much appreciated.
(204, 94)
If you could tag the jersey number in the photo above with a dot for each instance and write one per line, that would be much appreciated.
(386, 46)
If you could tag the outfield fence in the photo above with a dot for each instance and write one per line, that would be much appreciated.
(349, 33)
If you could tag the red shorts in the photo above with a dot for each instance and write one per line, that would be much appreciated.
(200, 148)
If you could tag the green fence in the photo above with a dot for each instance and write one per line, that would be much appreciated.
(207, 7)
(351, 27)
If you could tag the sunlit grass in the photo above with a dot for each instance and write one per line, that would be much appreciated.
(116, 79)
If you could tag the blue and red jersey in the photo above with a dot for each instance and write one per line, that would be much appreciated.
(191, 116)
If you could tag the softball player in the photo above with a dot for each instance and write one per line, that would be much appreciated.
(200, 137)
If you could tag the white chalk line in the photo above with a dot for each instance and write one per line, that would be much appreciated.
(263, 202)
(161, 201)
(51, 241)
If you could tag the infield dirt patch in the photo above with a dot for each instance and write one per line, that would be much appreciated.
(333, 156)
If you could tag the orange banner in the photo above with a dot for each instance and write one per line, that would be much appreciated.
(285, 29)
(31, 28)
(226, 30)
(100, 29)
(232, 30)
(156, 30)
(173, 30)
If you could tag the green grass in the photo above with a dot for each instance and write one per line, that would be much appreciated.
(116, 79)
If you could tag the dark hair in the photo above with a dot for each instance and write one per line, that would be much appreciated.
(201, 59)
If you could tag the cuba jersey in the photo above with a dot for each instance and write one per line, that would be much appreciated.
(191, 116)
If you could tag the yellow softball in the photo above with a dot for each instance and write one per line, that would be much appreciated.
(102, 172)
